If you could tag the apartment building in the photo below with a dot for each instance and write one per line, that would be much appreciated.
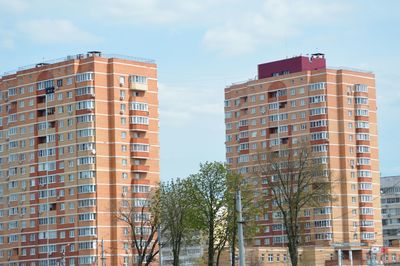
(78, 135)
(299, 99)
(390, 199)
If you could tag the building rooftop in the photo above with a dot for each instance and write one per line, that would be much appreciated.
(291, 65)
(77, 57)
(390, 181)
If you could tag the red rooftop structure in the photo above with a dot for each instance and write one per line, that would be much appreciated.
(291, 65)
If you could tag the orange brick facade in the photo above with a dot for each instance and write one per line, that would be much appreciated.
(335, 110)
(77, 137)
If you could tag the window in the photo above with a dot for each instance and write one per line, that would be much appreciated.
(84, 105)
(317, 99)
(362, 124)
(360, 88)
(142, 120)
(317, 111)
(361, 100)
(45, 84)
(88, 132)
(365, 186)
(318, 123)
(121, 80)
(84, 76)
(319, 135)
(138, 79)
(88, 90)
(361, 112)
(317, 86)
(362, 136)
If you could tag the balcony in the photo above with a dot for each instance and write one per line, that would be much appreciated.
(140, 168)
(140, 150)
(138, 83)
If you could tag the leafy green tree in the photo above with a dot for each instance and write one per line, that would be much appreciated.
(176, 212)
(208, 195)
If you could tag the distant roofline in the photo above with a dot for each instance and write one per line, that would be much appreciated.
(390, 176)
(79, 56)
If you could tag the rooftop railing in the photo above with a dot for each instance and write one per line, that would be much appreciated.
(77, 57)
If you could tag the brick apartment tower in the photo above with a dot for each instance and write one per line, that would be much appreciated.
(336, 110)
(89, 123)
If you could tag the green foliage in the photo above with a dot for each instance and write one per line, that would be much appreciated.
(206, 202)
(176, 213)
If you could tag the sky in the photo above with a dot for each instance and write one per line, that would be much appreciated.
(201, 46)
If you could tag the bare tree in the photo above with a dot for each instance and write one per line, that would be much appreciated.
(142, 225)
(297, 180)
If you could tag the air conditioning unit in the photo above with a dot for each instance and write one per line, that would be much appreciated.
(123, 194)
(93, 152)
(122, 98)
(121, 112)
(70, 112)
(121, 84)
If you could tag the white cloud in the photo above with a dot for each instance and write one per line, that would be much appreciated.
(155, 11)
(274, 21)
(47, 31)
(181, 105)
(14, 6)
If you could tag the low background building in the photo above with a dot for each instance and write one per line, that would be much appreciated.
(390, 197)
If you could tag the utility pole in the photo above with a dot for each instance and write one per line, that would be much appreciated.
(240, 229)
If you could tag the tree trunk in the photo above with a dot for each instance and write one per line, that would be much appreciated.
(140, 260)
(233, 252)
(293, 252)
(211, 245)
(175, 252)
(175, 261)
(218, 255)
